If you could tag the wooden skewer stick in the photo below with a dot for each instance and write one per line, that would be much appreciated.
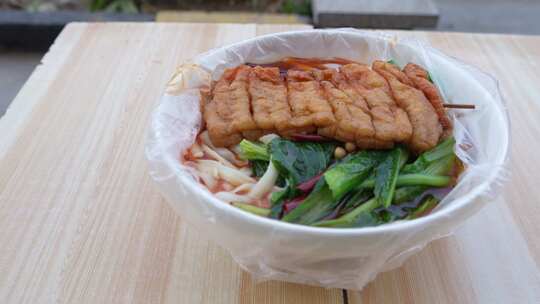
(458, 106)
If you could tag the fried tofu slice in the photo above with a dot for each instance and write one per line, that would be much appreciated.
(389, 121)
(420, 77)
(426, 127)
(271, 110)
(343, 93)
(351, 121)
(339, 81)
(228, 114)
(309, 107)
(219, 129)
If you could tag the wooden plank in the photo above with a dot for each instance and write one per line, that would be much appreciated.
(20, 109)
(74, 229)
(494, 257)
(228, 17)
(80, 220)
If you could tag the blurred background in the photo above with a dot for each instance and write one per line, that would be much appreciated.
(29, 27)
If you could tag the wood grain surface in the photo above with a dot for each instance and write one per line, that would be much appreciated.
(494, 257)
(80, 220)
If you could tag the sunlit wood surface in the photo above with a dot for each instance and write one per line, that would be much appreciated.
(81, 222)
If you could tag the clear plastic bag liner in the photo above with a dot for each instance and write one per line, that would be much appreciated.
(329, 257)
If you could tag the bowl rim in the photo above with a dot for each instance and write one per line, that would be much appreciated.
(400, 225)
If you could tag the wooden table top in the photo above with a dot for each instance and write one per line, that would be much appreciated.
(81, 222)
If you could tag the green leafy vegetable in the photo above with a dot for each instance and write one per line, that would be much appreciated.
(430, 168)
(300, 161)
(406, 194)
(361, 216)
(386, 174)
(354, 198)
(253, 209)
(415, 180)
(424, 179)
(296, 162)
(443, 149)
(428, 203)
(441, 166)
(437, 161)
(351, 171)
(404, 210)
(258, 167)
(277, 199)
(253, 151)
(316, 206)
(366, 188)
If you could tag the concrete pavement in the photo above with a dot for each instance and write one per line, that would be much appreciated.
(15, 67)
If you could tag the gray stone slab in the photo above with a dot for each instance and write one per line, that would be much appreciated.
(398, 14)
(64, 17)
(37, 30)
(490, 16)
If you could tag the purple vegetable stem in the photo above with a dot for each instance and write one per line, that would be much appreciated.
(308, 137)
(308, 185)
(290, 205)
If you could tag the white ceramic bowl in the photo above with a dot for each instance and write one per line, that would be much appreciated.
(331, 257)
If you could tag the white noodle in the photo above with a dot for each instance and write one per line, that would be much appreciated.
(196, 151)
(231, 175)
(208, 167)
(266, 139)
(276, 189)
(247, 171)
(227, 187)
(236, 149)
(231, 197)
(208, 180)
(213, 154)
(229, 155)
(223, 152)
(223, 167)
(265, 183)
(242, 188)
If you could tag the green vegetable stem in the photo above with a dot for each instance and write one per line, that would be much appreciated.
(354, 217)
(443, 149)
(316, 206)
(441, 166)
(253, 151)
(415, 180)
(386, 175)
(252, 209)
(351, 171)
